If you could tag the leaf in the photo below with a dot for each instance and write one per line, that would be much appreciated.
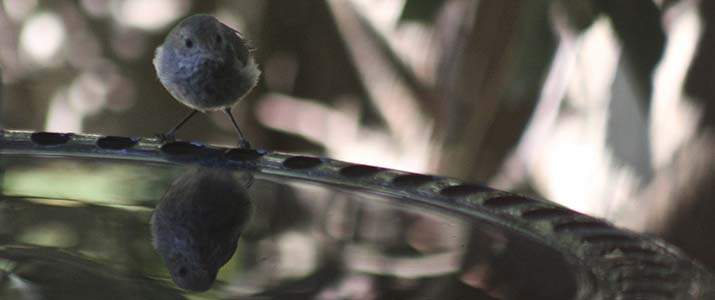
(420, 10)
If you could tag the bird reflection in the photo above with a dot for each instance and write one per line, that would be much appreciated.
(197, 223)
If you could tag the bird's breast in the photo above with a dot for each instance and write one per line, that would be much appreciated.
(204, 83)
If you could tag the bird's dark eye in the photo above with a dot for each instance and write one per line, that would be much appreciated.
(182, 271)
(189, 43)
(218, 39)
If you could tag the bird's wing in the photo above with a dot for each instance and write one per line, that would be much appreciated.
(240, 45)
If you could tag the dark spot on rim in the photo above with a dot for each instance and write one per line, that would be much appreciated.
(614, 236)
(411, 180)
(635, 250)
(356, 171)
(464, 190)
(181, 148)
(546, 213)
(241, 154)
(581, 225)
(302, 162)
(506, 201)
(50, 138)
(116, 142)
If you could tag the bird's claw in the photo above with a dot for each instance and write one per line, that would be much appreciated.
(166, 137)
(244, 144)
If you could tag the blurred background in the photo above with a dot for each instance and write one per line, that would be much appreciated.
(605, 106)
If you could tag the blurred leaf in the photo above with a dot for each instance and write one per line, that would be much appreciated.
(580, 13)
(420, 10)
(637, 24)
(534, 47)
(699, 82)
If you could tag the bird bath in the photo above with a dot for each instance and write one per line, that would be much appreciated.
(75, 216)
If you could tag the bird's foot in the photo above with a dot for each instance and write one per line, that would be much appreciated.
(244, 144)
(166, 137)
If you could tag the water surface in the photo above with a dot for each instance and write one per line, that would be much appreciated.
(79, 228)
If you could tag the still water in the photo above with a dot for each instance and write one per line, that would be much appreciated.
(80, 228)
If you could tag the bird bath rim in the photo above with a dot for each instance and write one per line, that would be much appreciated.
(600, 253)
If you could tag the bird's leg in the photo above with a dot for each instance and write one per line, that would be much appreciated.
(242, 142)
(169, 136)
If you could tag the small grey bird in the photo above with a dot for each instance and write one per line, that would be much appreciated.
(197, 224)
(207, 66)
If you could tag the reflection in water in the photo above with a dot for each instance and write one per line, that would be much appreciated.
(30, 273)
(304, 240)
(197, 224)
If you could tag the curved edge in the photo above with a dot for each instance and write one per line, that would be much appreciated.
(625, 265)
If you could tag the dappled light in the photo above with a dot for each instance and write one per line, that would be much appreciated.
(605, 107)
(41, 39)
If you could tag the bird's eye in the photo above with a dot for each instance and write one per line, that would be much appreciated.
(182, 271)
(189, 43)
(218, 39)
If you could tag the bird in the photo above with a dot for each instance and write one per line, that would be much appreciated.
(197, 223)
(207, 66)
